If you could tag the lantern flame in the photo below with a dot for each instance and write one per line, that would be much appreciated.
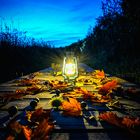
(70, 69)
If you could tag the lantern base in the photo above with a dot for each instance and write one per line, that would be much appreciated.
(71, 81)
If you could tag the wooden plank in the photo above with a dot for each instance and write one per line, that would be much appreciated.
(67, 122)
(10, 88)
(41, 95)
(22, 104)
(63, 122)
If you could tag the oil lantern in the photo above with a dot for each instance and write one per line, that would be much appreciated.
(70, 67)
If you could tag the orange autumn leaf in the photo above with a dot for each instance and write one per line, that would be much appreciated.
(80, 92)
(72, 94)
(42, 131)
(45, 126)
(55, 84)
(123, 122)
(86, 94)
(20, 130)
(130, 122)
(107, 87)
(27, 132)
(7, 96)
(100, 74)
(39, 115)
(111, 118)
(71, 107)
(34, 89)
(28, 82)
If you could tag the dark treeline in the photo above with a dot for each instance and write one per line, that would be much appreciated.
(20, 55)
(112, 45)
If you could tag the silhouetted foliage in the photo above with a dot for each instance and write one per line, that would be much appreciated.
(113, 44)
(20, 55)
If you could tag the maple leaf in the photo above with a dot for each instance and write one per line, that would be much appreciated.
(42, 131)
(28, 82)
(39, 115)
(86, 94)
(55, 84)
(20, 131)
(107, 87)
(100, 74)
(27, 132)
(34, 89)
(111, 118)
(71, 107)
(123, 122)
(130, 122)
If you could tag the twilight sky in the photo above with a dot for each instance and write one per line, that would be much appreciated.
(61, 22)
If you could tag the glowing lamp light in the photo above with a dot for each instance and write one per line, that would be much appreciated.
(70, 68)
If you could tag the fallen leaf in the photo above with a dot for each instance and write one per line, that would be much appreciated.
(107, 87)
(71, 107)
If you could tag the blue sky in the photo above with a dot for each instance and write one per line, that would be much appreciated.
(61, 22)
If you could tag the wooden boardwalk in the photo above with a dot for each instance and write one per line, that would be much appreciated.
(68, 128)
